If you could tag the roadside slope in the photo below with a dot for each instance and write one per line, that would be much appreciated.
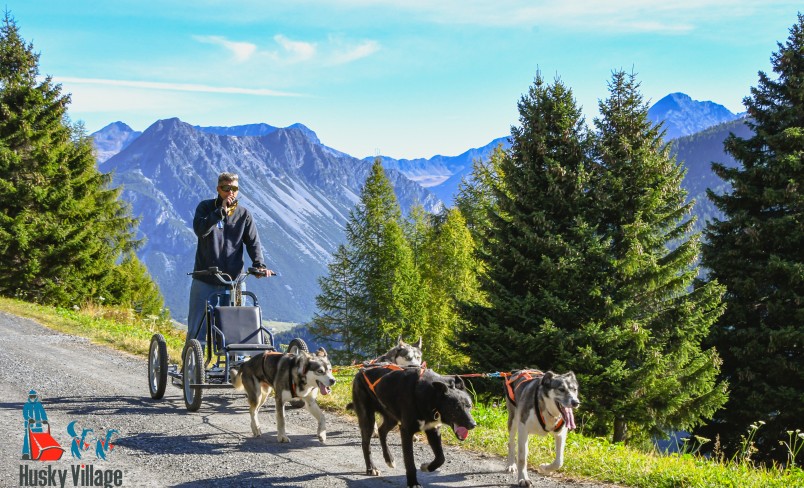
(161, 444)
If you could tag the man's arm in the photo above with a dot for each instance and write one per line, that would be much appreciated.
(206, 218)
(251, 239)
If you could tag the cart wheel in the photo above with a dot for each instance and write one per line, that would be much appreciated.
(296, 346)
(157, 366)
(193, 374)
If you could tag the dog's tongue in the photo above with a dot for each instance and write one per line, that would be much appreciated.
(569, 417)
(324, 389)
(461, 432)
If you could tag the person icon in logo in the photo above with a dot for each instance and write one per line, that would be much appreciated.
(35, 421)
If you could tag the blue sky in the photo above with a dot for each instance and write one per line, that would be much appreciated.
(402, 78)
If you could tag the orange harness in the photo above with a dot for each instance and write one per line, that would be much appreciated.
(393, 367)
(525, 377)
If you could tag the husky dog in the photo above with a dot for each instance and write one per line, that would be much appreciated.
(402, 353)
(301, 375)
(416, 399)
(539, 403)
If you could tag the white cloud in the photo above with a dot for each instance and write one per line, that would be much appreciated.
(182, 87)
(611, 15)
(242, 51)
(343, 55)
(298, 50)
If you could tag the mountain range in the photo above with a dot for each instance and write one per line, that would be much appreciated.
(301, 192)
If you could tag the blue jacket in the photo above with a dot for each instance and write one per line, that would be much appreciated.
(221, 239)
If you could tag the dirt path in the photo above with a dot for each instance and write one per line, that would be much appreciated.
(161, 444)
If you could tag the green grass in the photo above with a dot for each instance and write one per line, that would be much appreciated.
(585, 458)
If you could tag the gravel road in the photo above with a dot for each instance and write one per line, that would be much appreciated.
(161, 444)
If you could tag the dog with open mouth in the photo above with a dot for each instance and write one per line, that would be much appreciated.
(290, 376)
(415, 398)
(539, 404)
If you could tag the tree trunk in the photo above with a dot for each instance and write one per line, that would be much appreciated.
(620, 430)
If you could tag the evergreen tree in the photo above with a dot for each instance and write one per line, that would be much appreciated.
(649, 369)
(756, 252)
(339, 312)
(533, 196)
(62, 230)
(384, 283)
(581, 274)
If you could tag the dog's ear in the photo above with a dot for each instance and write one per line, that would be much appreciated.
(440, 387)
(321, 352)
(459, 384)
(547, 379)
(419, 344)
(399, 341)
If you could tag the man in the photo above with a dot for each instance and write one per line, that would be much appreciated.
(223, 228)
(35, 418)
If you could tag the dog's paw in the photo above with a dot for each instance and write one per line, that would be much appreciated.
(373, 472)
(425, 467)
(511, 468)
(547, 468)
(415, 486)
(391, 463)
(524, 482)
(322, 436)
(282, 438)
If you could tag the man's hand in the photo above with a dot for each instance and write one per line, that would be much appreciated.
(263, 272)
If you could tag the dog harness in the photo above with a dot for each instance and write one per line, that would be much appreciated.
(522, 378)
(391, 366)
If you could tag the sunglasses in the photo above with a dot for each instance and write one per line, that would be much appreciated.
(229, 187)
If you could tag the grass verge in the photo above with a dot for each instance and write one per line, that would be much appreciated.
(585, 458)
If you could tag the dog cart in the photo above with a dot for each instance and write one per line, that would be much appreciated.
(233, 333)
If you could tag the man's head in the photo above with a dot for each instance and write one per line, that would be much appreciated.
(227, 185)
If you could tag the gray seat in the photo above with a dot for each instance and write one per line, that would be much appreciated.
(242, 330)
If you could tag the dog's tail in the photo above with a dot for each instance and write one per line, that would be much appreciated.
(237, 379)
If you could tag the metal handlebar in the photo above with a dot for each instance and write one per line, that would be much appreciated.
(214, 271)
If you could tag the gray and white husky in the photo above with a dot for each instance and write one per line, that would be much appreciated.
(539, 403)
(301, 375)
(403, 354)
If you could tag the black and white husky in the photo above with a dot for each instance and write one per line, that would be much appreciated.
(539, 403)
(417, 400)
(403, 354)
(301, 375)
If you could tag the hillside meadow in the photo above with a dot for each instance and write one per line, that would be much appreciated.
(586, 458)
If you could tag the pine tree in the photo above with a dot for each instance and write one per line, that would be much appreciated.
(650, 363)
(62, 230)
(756, 252)
(581, 274)
(534, 198)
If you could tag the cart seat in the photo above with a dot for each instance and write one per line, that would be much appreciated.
(242, 330)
